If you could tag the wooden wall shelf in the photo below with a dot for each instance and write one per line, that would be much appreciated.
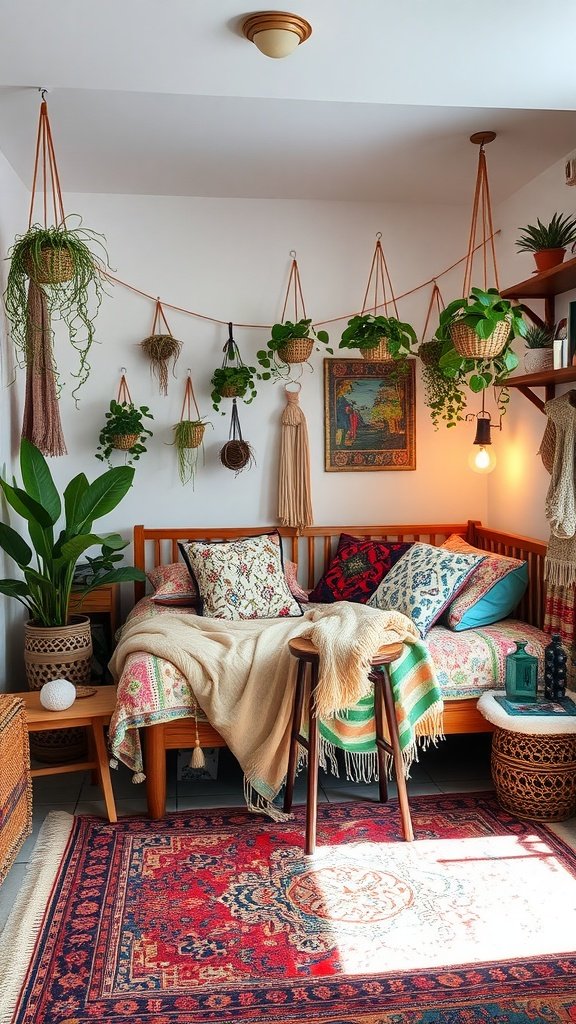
(546, 285)
(547, 379)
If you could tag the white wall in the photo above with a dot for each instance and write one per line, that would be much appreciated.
(13, 217)
(516, 494)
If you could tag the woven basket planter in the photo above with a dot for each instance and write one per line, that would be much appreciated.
(535, 776)
(191, 436)
(58, 652)
(429, 352)
(124, 442)
(378, 354)
(232, 391)
(54, 267)
(296, 350)
(468, 344)
(536, 359)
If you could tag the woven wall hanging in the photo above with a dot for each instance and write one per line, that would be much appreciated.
(294, 490)
(160, 348)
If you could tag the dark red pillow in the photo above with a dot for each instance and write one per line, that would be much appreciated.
(357, 569)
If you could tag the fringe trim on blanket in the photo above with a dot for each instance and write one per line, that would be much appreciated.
(559, 573)
(259, 804)
(23, 926)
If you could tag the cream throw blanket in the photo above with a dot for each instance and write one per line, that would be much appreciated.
(241, 674)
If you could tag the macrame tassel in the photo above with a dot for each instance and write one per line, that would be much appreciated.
(197, 760)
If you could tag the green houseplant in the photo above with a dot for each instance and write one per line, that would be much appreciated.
(67, 263)
(188, 438)
(549, 241)
(539, 342)
(379, 337)
(289, 343)
(443, 395)
(233, 382)
(476, 333)
(124, 430)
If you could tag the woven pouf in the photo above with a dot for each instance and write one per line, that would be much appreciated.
(535, 776)
(15, 783)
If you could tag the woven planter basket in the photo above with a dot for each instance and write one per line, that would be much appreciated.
(58, 652)
(55, 267)
(468, 344)
(232, 391)
(296, 350)
(124, 442)
(429, 352)
(535, 776)
(536, 359)
(378, 354)
(192, 436)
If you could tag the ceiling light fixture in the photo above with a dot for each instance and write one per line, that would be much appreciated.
(276, 33)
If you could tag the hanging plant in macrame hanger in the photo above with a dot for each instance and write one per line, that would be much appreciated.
(233, 379)
(161, 347)
(124, 428)
(236, 454)
(291, 341)
(189, 435)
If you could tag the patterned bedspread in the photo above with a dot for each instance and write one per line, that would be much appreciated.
(152, 690)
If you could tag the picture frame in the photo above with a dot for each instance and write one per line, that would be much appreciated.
(369, 416)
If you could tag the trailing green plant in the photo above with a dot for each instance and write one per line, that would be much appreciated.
(539, 337)
(443, 395)
(39, 254)
(124, 430)
(47, 563)
(188, 439)
(366, 330)
(238, 379)
(559, 233)
(270, 358)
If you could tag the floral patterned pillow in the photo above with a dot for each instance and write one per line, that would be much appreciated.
(241, 579)
(493, 591)
(357, 568)
(423, 582)
(173, 585)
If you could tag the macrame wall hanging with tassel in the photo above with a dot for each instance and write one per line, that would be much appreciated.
(161, 347)
(236, 454)
(294, 489)
(189, 435)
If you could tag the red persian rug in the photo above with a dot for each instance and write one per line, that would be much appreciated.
(217, 917)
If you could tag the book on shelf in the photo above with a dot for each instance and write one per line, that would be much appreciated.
(540, 708)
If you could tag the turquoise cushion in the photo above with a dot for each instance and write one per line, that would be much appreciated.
(498, 602)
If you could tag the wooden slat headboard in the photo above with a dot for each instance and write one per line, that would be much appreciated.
(312, 549)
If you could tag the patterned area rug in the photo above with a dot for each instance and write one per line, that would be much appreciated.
(219, 918)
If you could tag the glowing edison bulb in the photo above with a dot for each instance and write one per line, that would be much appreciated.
(482, 459)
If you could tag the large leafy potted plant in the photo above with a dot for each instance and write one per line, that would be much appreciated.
(379, 338)
(67, 263)
(124, 430)
(289, 343)
(48, 561)
(548, 242)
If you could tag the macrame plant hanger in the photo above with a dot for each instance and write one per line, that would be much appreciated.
(236, 454)
(481, 227)
(379, 286)
(41, 422)
(295, 351)
(124, 442)
(161, 347)
(188, 435)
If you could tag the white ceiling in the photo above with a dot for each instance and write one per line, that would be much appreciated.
(166, 97)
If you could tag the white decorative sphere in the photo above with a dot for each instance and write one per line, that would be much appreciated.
(57, 695)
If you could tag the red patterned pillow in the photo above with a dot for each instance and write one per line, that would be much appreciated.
(357, 569)
(173, 585)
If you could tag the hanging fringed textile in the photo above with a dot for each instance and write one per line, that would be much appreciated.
(41, 421)
(294, 491)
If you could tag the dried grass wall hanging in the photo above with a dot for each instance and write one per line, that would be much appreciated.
(189, 435)
(294, 490)
(236, 454)
(160, 348)
(41, 422)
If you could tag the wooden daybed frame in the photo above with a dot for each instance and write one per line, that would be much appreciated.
(312, 551)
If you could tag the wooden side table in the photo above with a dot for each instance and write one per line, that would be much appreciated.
(100, 601)
(94, 712)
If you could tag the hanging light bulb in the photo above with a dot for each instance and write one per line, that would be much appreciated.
(482, 458)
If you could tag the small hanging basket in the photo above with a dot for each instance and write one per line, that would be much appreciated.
(429, 353)
(469, 345)
(53, 266)
(236, 454)
(296, 350)
(190, 434)
(161, 348)
(229, 391)
(378, 354)
(124, 442)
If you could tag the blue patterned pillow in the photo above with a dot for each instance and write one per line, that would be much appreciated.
(423, 582)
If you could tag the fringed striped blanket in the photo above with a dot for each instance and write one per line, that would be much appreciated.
(241, 676)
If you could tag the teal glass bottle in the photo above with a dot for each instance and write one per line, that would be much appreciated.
(521, 675)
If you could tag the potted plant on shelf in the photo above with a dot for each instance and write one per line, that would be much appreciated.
(289, 343)
(548, 242)
(62, 262)
(539, 342)
(443, 395)
(379, 338)
(48, 562)
(124, 431)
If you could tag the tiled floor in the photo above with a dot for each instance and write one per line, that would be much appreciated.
(459, 764)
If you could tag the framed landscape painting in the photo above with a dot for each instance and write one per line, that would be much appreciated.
(369, 416)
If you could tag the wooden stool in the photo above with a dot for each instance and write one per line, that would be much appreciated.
(307, 654)
(94, 712)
